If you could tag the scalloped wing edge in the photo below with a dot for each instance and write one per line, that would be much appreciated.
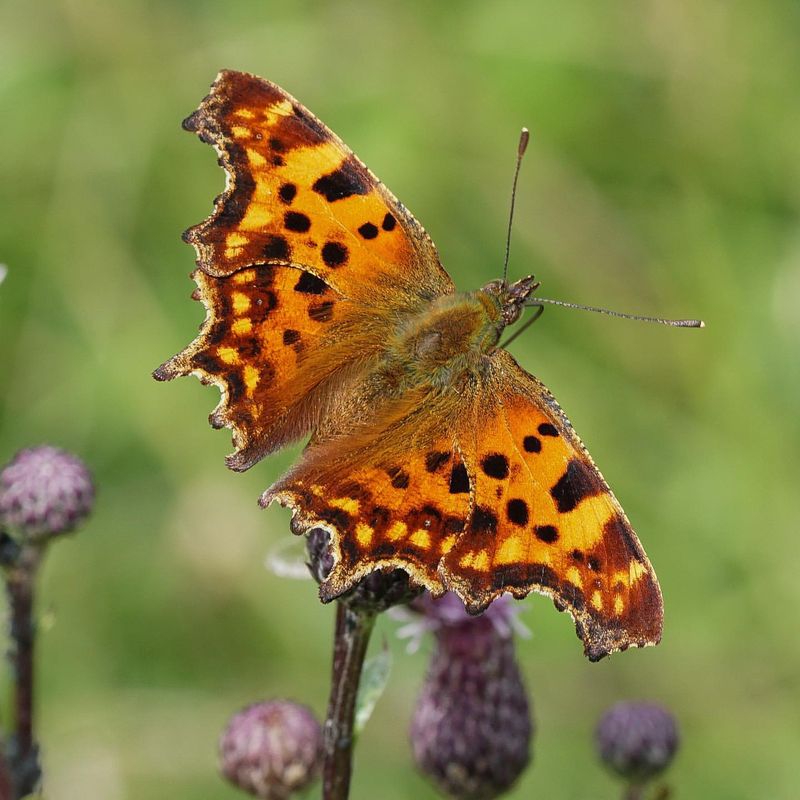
(598, 642)
(179, 365)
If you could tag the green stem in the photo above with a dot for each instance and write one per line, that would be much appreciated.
(353, 629)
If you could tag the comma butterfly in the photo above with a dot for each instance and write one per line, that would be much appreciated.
(431, 449)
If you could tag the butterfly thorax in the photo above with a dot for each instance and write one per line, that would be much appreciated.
(452, 335)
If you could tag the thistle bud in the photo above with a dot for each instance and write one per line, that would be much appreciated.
(471, 729)
(376, 592)
(44, 492)
(272, 749)
(637, 740)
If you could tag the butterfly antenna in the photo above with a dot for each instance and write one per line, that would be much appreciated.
(524, 137)
(673, 323)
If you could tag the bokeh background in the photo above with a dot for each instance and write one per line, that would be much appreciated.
(663, 177)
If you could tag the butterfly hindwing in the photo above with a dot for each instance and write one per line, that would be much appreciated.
(545, 520)
(389, 513)
(508, 500)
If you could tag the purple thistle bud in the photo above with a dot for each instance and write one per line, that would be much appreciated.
(272, 749)
(637, 740)
(471, 729)
(44, 492)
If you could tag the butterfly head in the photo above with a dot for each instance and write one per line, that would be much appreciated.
(511, 297)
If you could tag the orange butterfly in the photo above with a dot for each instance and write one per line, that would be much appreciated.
(431, 450)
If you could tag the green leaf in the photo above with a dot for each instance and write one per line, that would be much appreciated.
(374, 678)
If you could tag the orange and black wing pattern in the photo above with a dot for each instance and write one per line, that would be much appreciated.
(297, 196)
(504, 498)
(545, 520)
(300, 265)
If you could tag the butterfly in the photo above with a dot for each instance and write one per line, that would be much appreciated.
(329, 315)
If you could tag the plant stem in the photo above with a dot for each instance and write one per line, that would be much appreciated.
(6, 784)
(633, 791)
(351, 637)
(23, 751)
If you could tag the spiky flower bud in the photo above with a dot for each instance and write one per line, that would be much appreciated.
(471, 729)
(272, 749)
(637, 740)
(44, 492)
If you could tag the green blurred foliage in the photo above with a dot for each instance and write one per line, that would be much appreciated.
(663, 177)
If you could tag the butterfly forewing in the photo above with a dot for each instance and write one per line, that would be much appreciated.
(297, 195)
(284, 344)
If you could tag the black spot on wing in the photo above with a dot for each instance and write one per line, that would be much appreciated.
(277, 248)
(291, 336)
(368, 230)
(295, 221)
(546, 429)
(208, 363)
(250, 347)
(310, 284)
(287, 192)
(334, 254)
(459, 480)
(495, 465)
(532, 444)
(344, 182)
(578, 482)
(546, 533)
(236, 387)
(517, 512)
(218, 331)
(483, 521)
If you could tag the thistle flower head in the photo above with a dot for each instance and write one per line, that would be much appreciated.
(637, 740)
(471, 729)
(44, 492)
(272, 749)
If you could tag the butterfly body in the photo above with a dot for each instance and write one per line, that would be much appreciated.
(328, 315)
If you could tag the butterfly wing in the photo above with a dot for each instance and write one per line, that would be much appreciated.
(489, 494)
(304, 259)
(297, 196)
(545, 520)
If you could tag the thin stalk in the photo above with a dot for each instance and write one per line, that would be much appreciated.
(23, 751)
(633, 791)
(6, 783)
(353, 629)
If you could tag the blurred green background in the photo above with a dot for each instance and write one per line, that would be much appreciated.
(663, 177)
